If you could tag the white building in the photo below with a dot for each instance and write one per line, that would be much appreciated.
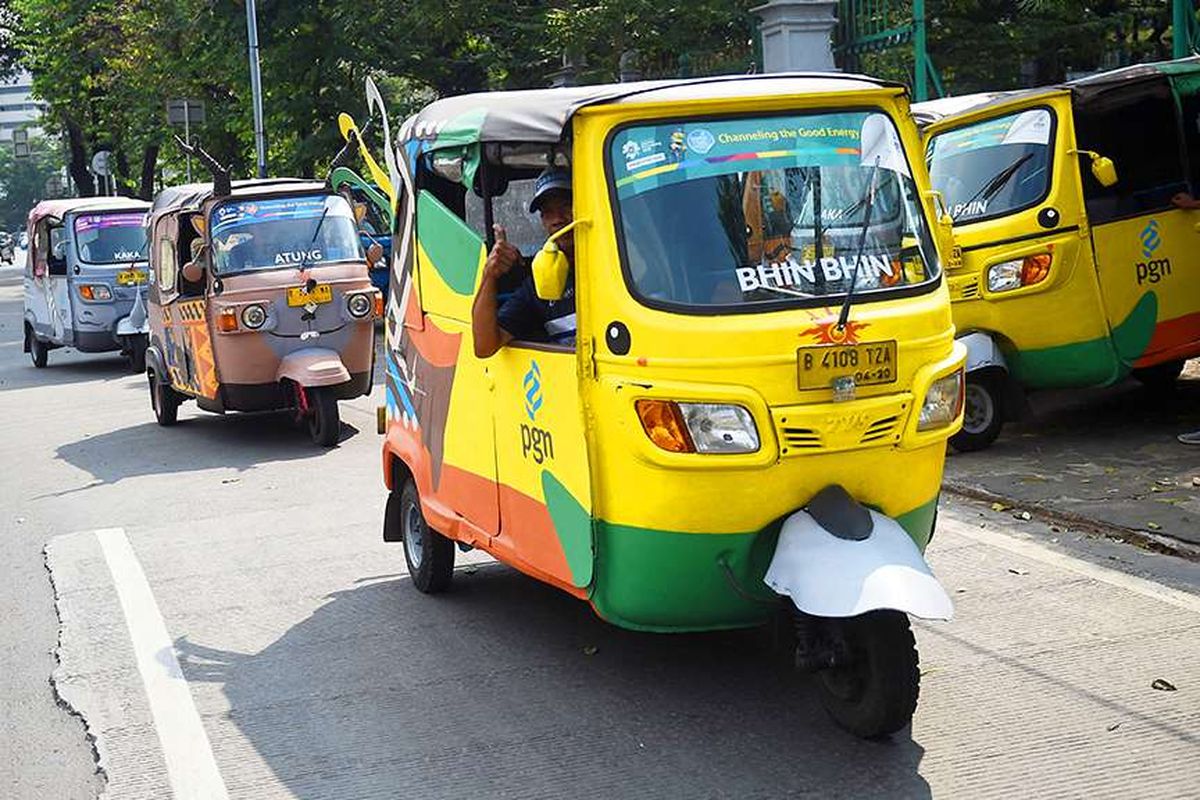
(18, 109)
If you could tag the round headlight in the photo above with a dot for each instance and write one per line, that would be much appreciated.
(359, 305)
(254, 316)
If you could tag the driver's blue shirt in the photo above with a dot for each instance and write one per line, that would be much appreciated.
(526, 316)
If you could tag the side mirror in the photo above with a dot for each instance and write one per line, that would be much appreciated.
(193, 272)
(550, 270)
(374, 254)
(1104, 170)
(56, 265)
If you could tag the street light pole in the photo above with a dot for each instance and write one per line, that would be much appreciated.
(260, 137)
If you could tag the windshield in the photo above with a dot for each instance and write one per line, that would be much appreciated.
(755, 211)
(993, 167)
(268, 233)
(113, 238)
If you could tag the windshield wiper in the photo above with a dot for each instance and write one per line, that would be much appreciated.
(868, 200)
(995, 183)
(308, 251)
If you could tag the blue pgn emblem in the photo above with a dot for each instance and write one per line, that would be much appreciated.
(533, 389)
(1150, 238)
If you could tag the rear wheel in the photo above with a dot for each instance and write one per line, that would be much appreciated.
(983, 413)
(871, 681)
(1160, 377)
(324, 425)
(164, 400)
(38, 350)
(430, 556)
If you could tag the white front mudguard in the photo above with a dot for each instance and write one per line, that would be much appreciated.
(831, 577)
(982, 352)
(125, 327)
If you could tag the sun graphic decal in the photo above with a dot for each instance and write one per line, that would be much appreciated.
(827, 332)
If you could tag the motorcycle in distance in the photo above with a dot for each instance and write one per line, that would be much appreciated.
(1078, 236)
(260, 301)
(85, 278)
(752, 416)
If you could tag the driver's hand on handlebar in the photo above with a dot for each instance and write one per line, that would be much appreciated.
(503, 256)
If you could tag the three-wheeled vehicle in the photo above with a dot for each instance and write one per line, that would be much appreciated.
(260, 301)
(85, 276)
(1077, 267)
(754, 415)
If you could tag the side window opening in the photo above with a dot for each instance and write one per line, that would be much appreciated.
(1147, 153)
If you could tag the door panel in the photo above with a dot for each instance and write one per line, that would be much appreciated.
(542, 464)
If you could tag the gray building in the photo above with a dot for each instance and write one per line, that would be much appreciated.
(18, 109)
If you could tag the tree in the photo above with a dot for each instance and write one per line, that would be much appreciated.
(23, 180)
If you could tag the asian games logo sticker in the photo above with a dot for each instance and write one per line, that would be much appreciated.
(700, 141)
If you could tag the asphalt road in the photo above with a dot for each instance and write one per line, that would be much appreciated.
(213, 601)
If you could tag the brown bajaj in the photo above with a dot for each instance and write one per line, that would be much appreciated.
(260, 300)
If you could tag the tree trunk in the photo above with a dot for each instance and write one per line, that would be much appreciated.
(80, 174)
(149, 162)
(121, 175)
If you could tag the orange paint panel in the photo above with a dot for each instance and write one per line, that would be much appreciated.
(435, 345)
(1173, 339)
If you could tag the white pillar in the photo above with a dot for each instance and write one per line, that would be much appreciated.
(796, 35)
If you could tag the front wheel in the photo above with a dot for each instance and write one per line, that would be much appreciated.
(324, 425)
(430, 556)
(871, 686)
(136, 349)
(39, 352)
(983, 415)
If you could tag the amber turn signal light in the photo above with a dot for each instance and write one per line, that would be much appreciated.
(664, 424)
(1035, 269)
(227, 321)
(379, 305)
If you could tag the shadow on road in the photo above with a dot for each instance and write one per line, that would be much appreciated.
(207, 441)
(490, 691)
(70, 368)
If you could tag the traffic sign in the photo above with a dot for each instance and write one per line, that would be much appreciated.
(100, 162)
(185, 112)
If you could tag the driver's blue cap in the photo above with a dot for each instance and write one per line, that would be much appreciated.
(550, 180)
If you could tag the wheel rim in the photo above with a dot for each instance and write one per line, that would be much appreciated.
(847, 681)
(414, 535)
(979, 409)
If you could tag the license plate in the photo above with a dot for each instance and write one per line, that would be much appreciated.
(131, 277)
(322, 293)
(869, 363)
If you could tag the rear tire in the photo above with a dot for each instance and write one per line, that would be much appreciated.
(429, 555)
(324, 425)
(164, 400)
(38, 351)
(983, 413)
(1160, 377)
(873, 693)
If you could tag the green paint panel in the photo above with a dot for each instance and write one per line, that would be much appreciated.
(451, 245)
(1091, 363)
(573, 525)
(654, 580)
(918, 523)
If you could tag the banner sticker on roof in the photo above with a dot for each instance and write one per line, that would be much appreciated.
(646, 157)
(247, 212)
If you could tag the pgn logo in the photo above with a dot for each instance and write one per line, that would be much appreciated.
(535, 441)
(1150, 238)
(1152, 270)
(533, 389)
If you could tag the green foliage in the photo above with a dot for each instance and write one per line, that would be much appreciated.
(23, 180)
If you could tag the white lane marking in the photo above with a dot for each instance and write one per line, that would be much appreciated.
(1046, 555)
(191, 767)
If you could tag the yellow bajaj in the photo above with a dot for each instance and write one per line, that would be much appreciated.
(1078, 265)
(755, 410)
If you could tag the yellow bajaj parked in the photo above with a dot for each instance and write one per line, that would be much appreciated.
(755, 410)
(1077, 266)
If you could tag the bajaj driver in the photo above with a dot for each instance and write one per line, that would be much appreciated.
(524, 315)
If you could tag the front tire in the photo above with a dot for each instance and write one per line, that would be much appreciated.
(429, 555)
(164, 400)
(872, 689)
(39, 352)
(137, 353)
(983, 413)
(324, 425)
